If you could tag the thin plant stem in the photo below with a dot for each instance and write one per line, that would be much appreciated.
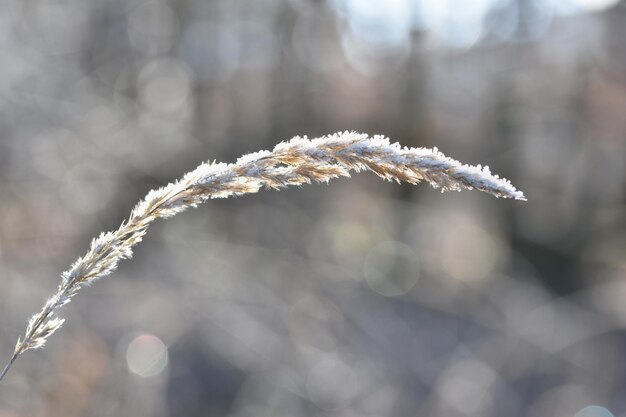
(297, 162)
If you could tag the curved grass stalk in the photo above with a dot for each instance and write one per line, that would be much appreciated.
(297, 162)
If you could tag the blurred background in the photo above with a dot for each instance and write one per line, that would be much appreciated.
(357, 298)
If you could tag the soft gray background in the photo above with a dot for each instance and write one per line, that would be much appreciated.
(358, 298)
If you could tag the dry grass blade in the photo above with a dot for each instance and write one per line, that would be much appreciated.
(299, 161)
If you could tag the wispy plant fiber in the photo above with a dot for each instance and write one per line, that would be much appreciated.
(299, 161)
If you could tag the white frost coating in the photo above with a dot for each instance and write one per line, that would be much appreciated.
(296, 162)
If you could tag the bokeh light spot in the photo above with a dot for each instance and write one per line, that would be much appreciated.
(594, 411)
(383, 22)
(165, 85)
(377, 34)
(594, 5)
(331, 384)
(467, 387)
(391, 269)
(146, 356)
(453, 24)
